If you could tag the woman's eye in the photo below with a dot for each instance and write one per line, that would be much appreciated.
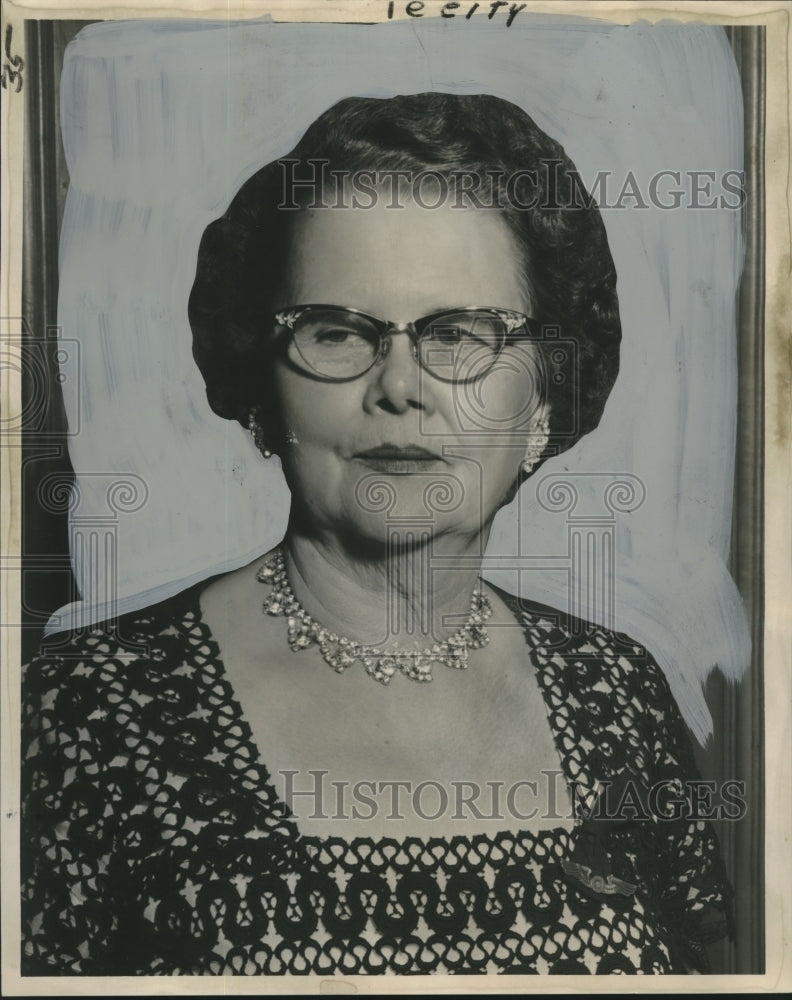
(448, 334)
(333, 336)
(466, 332)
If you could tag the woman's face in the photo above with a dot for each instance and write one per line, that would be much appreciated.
(447, 455)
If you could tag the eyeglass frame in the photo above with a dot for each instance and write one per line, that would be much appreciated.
(385, 329)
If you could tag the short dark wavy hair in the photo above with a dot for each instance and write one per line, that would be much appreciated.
(566, 260)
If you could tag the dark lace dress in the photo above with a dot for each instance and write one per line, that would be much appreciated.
(153, 841)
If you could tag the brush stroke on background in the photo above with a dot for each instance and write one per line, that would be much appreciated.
(163, 121)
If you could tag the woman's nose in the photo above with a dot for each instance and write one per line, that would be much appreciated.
(397, 382)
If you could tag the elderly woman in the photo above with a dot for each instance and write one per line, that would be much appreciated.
(477, 784)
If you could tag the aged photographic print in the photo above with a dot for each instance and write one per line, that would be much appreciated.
(387, 413)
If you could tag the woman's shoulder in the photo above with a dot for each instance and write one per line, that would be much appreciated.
(142, 690)
(127, 650)
(604, 687)
(123, 633)
(589, 651)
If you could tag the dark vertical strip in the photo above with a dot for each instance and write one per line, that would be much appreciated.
(40, 238)
(44, 533)
(738, 709)
(46, 581)
(748, 525)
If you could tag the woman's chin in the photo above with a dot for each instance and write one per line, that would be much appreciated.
(375, 510)
(426, 497)
(377, 537)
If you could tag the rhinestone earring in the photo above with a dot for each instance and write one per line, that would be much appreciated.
(257, 431)
(536, 446)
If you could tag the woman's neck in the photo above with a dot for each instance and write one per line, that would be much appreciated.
(414, 596)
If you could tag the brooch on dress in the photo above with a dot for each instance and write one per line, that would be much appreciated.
(604, 885)
(589, 868)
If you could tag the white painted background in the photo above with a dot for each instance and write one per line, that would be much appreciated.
(162, 122)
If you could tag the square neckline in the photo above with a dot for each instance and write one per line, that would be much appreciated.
(316, 843)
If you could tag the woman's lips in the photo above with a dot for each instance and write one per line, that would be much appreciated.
(399, 460)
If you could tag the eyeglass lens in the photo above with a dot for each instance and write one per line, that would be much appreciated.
(457, 346)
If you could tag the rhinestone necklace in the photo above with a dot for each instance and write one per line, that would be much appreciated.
(381, 664)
